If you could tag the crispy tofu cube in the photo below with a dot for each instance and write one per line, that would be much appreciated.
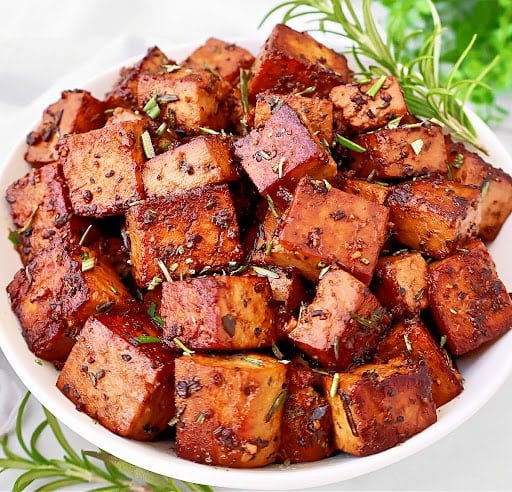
(324, 227)
(124, 92)
(225, 59)
(372, 191)
(342, 325)
(281, 152)
(126, 385)
(360, 112)
(40, 209)
(76, 111)
(316, 113)
(201, 161)
(411, 339)
(221, 312)
(57, 291)
(400, 283)
(376, 406)
(103, 168)
(185, 233)
(229, 409)
(469, 303)
(496, 185)
(434, 215)
(292, 61)
(188, 99)
(400, 153)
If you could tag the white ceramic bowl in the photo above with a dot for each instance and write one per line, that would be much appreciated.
(484, 370)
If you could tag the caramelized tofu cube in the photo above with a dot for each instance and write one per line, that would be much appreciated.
(307, 433)
(76, 111)
(343, 324)
(469, 303)
(225, 59)
(376, 406)
(434, 215)
(185, 233)
(374, 192)
(292, 61)
(281, 152)
(229, 409)
(411, 339)
(202, 161)
(316, 113)
(221, 312)
(40, 209)
(103, 168)
(325, 226)
(127, 386)
(496, 185)
(56, 293)
(124, 92)
(360, 112)
(400, 153)
(400, 283)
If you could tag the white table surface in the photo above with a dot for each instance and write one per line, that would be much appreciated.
(45, 44)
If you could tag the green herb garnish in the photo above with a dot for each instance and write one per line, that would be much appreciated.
(147, 145)
(349, 144)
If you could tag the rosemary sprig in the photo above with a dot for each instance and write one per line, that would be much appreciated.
(114, 474)
(424, 93)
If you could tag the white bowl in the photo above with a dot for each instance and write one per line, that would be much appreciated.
(484, 370)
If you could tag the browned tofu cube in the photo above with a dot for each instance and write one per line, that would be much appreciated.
(40, 209)
(183, 234)
(316, 113)
(324, 227)
(119, 374)
(56, 293)
(360, 112)
(376, 192)
(225, 59)
(307, 433)
(281, 152)
(124, 92)
(376, 406)
(121, 114)
(411, 339)
(201, 161)
(229, 409)
(292, 61)
(342, 325)
(76, 111)
(221, 312)
(400, 152)
(103, 168)
(434, 215)
(400, 283)
(187, 99)
(287, 286)
(496, 185)
(469, 303)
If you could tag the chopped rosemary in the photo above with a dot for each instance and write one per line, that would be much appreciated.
(87, 262)
(377, 86)
(334, 385)
(161, 129)
(154, 282)
(276, 405)
(271, 206)
(407, 342)
(84, 235)
(147, 145)
(417, 145)
(458, 161)
(349, 144)
(14, 236)
(307, 90)
(265, 272)
(165, 271)
(145, 339)
(394, 123)
(485, 188)
(152, 109)
(152, 314)
(182, 346)
(208, 131)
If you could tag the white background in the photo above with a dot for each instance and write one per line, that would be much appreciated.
(52, 43)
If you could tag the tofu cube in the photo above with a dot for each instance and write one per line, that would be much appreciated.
(372, 191)
(185, 234)
(343, 324)
(103, 168)
(221, 312)
(76, 111)
(124, 384)
(400, 153)
(469, 303)
(434, 215)
(400, 283)
(376, 406)
(292, 61)
(229, 409)
(201, 161)
(360, 112)
(411, 339)
(57, 291)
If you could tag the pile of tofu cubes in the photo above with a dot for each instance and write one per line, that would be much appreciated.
(263, 257)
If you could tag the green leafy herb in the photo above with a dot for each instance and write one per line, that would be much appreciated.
(377, 86)
(144, 339)
(147, 145)
(87, 262)
(151, 108)
(349, 144)
(14, 236)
